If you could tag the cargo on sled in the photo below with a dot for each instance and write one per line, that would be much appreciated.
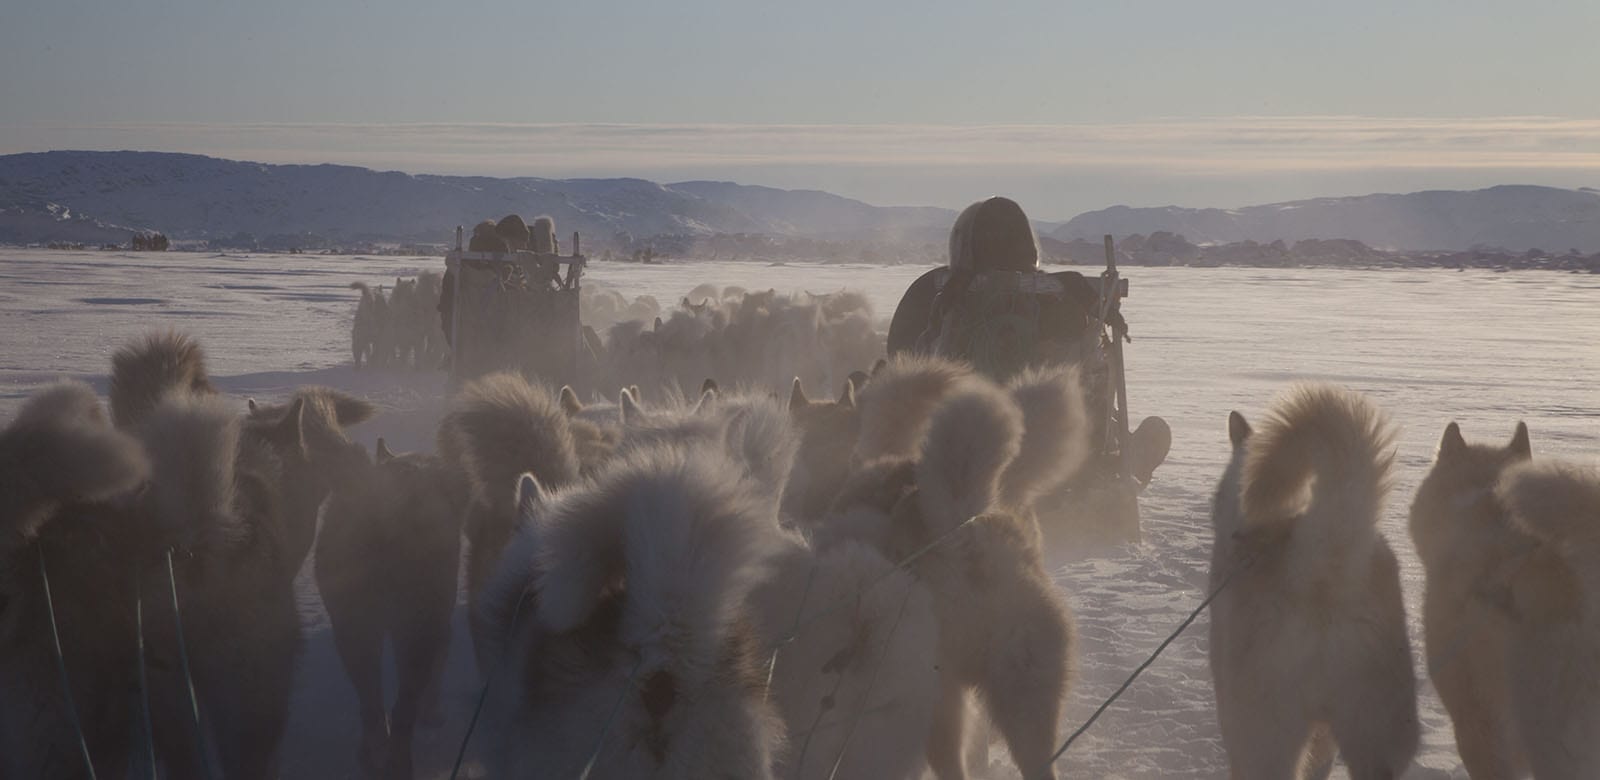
(513, 305)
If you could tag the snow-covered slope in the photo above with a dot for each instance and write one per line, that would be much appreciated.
(192, 196)
(821, 214)
(1512, 216)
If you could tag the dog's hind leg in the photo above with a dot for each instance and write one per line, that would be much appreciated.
(252, 715)
(1316, 763)
(1472, 684)
(947, 742)
(1266, 743)
(433, 714)
(1378, 734)
(360, 644)
(1485, 737)
(419, 650)
(1025, 682)
(1374, 717)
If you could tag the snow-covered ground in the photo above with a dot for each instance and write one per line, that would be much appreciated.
(1430, 346)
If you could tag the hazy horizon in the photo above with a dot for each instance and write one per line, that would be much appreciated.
(1065, 106)
(1062, 170)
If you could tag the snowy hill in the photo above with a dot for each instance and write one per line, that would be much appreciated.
(191, 196)
(1513, 217)
(822, 214)
(95, 197)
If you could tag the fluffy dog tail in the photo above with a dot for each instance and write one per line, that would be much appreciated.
(324, 406)
(501, 426)
(61, 449)
(1055, 440)
(897, 404)
(972, 439)
(194, 444)
(761, 437)
(1319, 464)
(144, 372)
(1554, 501)
(686, 537)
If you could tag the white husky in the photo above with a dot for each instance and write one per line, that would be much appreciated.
(622, 610)
(1308, 639)
(853, 673)
(1554, 649)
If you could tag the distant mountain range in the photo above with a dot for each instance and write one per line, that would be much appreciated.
(103, 197)
(1517, 217)
(56, 195)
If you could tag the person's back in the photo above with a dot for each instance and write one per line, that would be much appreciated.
(992, 306)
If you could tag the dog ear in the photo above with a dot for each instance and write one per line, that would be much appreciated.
(250, 403)
(1238, 429)
(710, 385)
(530, 495)
(707, 398)
(1519, 445)
(1452, 443)
(381, 452)
(847, 399)
(657, 325)
(289, 431)
(630, 407)
(349, 410)
(797, 396)
(569, 401)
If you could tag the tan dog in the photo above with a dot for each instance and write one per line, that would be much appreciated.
(1554, 645)
(61, 466)
(1308, 640)
(1004, 631)
(828, 431)
(1460, 529)
(386, 567)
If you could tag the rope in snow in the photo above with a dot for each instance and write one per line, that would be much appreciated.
(1152, 659)
(61, 667)
(483, 695)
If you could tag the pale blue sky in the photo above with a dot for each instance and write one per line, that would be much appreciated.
(1142, 102)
